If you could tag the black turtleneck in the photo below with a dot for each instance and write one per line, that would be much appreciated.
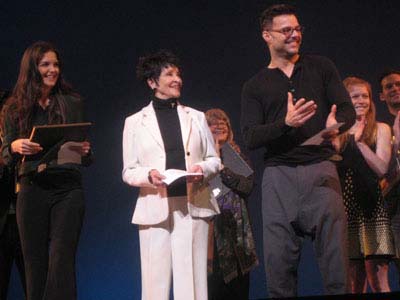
(170, 128)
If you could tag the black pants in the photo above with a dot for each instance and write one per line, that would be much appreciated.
(237, 288)
(10, 252)
(300, 202)
(218, 289)
(49, 214)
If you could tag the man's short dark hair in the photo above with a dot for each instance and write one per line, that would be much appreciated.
(151, 65)
(386, 73)
(273, 11)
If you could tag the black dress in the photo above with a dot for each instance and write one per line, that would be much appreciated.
(369, 233)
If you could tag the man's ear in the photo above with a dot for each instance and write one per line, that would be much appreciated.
(266, 36)
(152, 83)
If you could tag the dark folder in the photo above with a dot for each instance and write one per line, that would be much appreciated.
(57, 142)
(49, 135)
(235, 163)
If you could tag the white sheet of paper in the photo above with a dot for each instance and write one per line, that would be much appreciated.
(318, 138)
(173, 174)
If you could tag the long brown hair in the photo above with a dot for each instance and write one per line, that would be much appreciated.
(216, 114)
(369, 134)
(27, 92)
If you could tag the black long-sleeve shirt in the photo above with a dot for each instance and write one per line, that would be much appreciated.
(170, 128)
(74, 114)
(264, 107)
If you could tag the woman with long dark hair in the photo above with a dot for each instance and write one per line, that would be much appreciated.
(50, 204)
(366, 151)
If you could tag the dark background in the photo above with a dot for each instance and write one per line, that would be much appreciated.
(220, 46)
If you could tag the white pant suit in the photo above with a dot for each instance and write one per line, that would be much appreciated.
(172, 230)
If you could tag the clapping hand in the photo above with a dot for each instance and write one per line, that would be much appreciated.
(396, 130)
(358, 129)
(300, 112)
(330, 121)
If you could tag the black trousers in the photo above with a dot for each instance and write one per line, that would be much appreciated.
(300, 202)
(237, 288)
(10, 252)
(49, 214)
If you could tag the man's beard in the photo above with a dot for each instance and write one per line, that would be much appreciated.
(395, 105)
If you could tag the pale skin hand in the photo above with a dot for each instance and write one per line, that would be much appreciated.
(218, 145)
(83, 149)
(25, 147)
(157, 178)
(378, 161)
(330, 121)
(396, 131)
(300, 112)
(358, 128)
(195, 169)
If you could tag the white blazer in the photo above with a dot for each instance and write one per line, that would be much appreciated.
(143, 150)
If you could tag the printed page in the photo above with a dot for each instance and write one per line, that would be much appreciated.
(173, 174)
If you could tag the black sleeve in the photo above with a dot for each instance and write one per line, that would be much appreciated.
(240, 184)
(337, 94)
(9, 133)
(256, 133)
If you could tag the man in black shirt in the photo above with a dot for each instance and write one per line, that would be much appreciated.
(390, 93)
(283, 105)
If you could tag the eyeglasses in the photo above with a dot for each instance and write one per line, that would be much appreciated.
(288, 31)
(390, 85)
(218, 124)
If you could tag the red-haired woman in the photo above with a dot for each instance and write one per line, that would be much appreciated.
(366, 151)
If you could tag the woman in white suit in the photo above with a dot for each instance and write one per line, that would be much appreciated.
(172, 219)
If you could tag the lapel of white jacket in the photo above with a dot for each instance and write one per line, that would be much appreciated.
(150, 123)
(185, 119)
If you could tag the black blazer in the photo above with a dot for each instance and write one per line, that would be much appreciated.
(6, 181)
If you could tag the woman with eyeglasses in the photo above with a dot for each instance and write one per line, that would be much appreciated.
(366, 150)
(231, 248)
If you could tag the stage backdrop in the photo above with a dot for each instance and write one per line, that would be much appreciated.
(220, 46)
